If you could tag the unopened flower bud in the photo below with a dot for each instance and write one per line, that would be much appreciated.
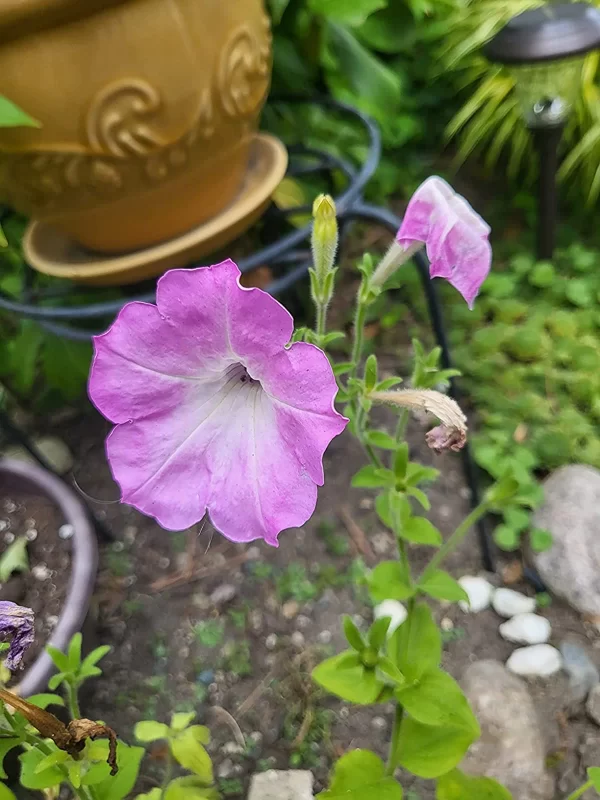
(324, 235)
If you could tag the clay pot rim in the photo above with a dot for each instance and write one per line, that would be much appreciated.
(24, 476)
(20, 17)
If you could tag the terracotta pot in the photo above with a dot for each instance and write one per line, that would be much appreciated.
(25, 477)
(148, 110)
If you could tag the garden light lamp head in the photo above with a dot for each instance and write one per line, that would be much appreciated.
(545, 48)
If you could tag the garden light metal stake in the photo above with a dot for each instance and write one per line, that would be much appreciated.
(545, 49)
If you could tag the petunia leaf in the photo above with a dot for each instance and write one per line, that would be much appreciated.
(361, 775)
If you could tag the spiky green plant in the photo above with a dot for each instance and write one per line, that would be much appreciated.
(489, 123)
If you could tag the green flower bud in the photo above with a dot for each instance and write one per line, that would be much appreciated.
(324, 235)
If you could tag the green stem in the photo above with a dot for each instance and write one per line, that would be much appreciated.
(401, 427)
(391, 762)
(72, 701)
(359, 334)
(167, 776)
(579, 792)
(456, 538)
(321, 319)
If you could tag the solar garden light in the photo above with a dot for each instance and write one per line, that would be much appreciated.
(545, 50)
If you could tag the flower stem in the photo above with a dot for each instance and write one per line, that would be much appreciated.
(456, 538)
(321, 324)
(359, 334)
(579, 792)
(391, 762)
(72, 701)
(402, 423)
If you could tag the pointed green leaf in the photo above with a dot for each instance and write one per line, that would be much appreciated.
(120, 785)
(191, 755)
(345, 676)
(74, 653)
(6, 745)
(387, 384)
(182, 719)
(353, 635)
(416, 646)
(55, 681)
(437, 699)
(419, 496)
(401, 461)
(371, 372)
(60, 659)
(95, 656)
(53, 759)
(378, 633)
(456, 785)
(371, 477)
(46, 699)
(429, 751)
(31, 779)
(415, 473)
(342, 367)
(419, 530)
(150, 731)
(381, 439)
(14, 559)
(389, 581)
(442, 586)
(74, 770)
(11, 116)
(360, 775)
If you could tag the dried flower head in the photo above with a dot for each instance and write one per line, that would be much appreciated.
(451, 434)
(16, 625)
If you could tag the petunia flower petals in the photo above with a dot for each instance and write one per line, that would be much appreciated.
(455, 236)
(237, 426)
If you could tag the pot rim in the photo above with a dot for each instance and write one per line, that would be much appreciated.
(84, 562)
(25, 17)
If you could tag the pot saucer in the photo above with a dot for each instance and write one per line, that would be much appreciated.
(49, 251)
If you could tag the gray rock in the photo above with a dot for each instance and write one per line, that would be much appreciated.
(54, 450)
(511, 747)
(571, 512)
(223, 594)
(593, 704)
(282, 785)
(583, 673)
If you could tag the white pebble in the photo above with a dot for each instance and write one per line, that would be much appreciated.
(480, 593)
(30, 523)
(4, 524)
(392, 609)
(446, 624)
(325, 637)
(298, 640)
(164, 562)
(66, 531)
(509, 603)
(271, 641)
(41, 572)
(9, 537)
(538, 660)
(31, 534)
(253, 553)
(379, 723)
(526, 629)
(52, 620)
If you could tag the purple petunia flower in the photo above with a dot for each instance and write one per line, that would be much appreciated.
(455, 236)
(213, 411)
(16, 625)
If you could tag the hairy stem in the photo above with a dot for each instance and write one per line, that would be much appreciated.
(359, 335)
(456, 538)
(391, 762)
(579, 792)
(321, 324)
(73, 702)
(402, 423)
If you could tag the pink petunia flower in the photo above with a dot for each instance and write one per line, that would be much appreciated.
(455, 236)
(213, 411)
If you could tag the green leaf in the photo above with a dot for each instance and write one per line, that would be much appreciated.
(441, 586)
(419, 496)
(389, 581)
(55, 681)
(371, 477)
(417, 643)
(387, 384)
(74, 653)
(189, 788)
(381, 439)
(44, 700)
(95, 773)
(401, 461)
(14, 559)
(540, 540)
(353, 635)
(191, 755)
(181, 719)
(419, 530)
(6, 745)
(392, 508)
(277, 9)
(352, 13)
(94, 657)
(60, 659)
(150, 731)
(506, 538)
(11, 116)
(378, 633)
(345, 676)
(120, 785)
(74, 771)
(5, 793)
(437, 699)
(416, 473)
(371, 372)
(429, 751)
(153, 794)
(456, 785)
(593, 774)
(31, 778)
(502, 490)
(360, 775)
(342, 367)
(24, 352)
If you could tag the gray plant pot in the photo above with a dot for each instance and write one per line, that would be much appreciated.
(30, 478)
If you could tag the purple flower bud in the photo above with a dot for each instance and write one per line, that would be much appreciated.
(446, 437)
(16, 625)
